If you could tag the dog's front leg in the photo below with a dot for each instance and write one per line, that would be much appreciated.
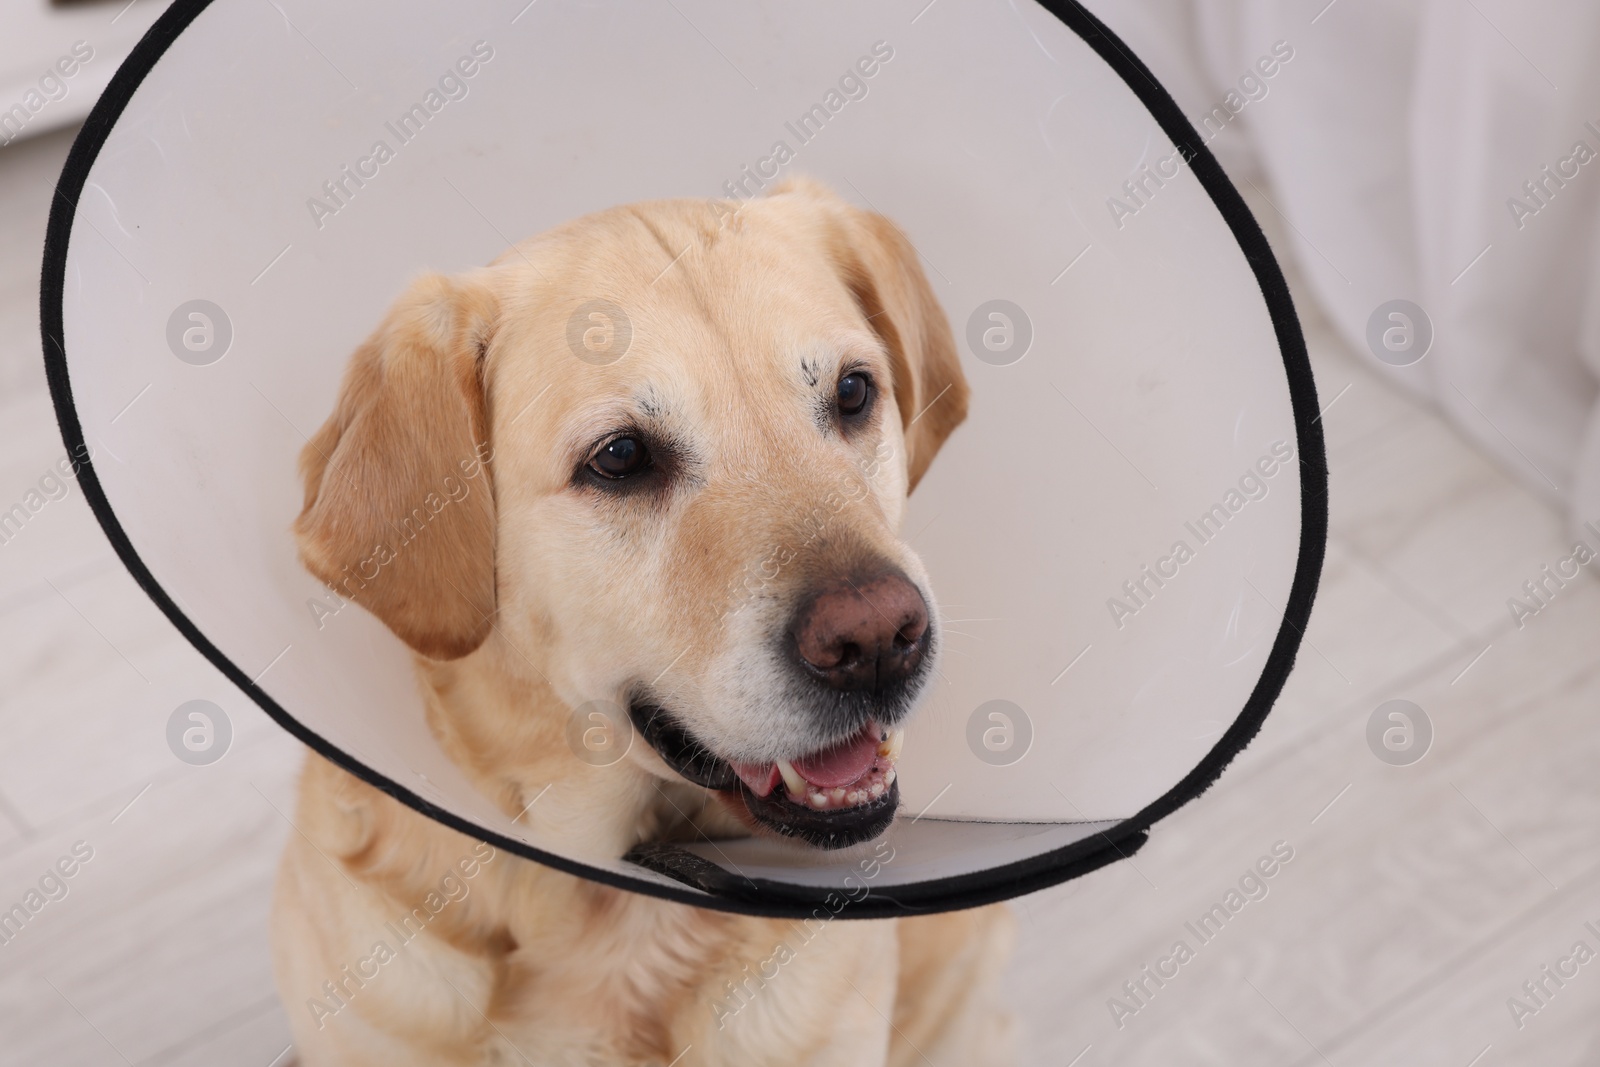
(357, 994)
(818, 993)
(947, 1009)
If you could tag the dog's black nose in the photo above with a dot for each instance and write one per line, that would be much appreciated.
(863, 635)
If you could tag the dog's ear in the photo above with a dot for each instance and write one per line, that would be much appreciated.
(399, 506)
(881, 268)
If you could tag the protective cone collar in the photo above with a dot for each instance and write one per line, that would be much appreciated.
(1125, 537)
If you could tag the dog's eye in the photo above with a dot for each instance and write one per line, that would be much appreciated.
(854, 392)
(621, 457)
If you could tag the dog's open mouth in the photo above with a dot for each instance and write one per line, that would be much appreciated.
(832, 798)
(848, 775)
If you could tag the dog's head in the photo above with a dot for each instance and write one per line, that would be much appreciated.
(693, 428)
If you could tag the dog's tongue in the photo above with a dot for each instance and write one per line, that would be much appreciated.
(841, 764)
(837, 766)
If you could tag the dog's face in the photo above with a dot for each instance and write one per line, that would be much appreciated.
(703, 427)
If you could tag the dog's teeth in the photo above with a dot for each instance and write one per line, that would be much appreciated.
(889, 748)
(836, 794)
(791, 778)
(888, 778)
(818, 801)
(877, 790)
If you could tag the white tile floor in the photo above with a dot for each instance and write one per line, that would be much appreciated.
(1418, 900)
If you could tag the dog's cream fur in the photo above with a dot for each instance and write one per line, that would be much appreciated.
(532, 593)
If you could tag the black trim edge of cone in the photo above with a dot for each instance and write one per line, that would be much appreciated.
(703, 887)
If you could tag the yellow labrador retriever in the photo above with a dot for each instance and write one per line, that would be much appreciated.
(676, 439)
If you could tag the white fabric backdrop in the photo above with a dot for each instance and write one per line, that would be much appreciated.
(1393, 142)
